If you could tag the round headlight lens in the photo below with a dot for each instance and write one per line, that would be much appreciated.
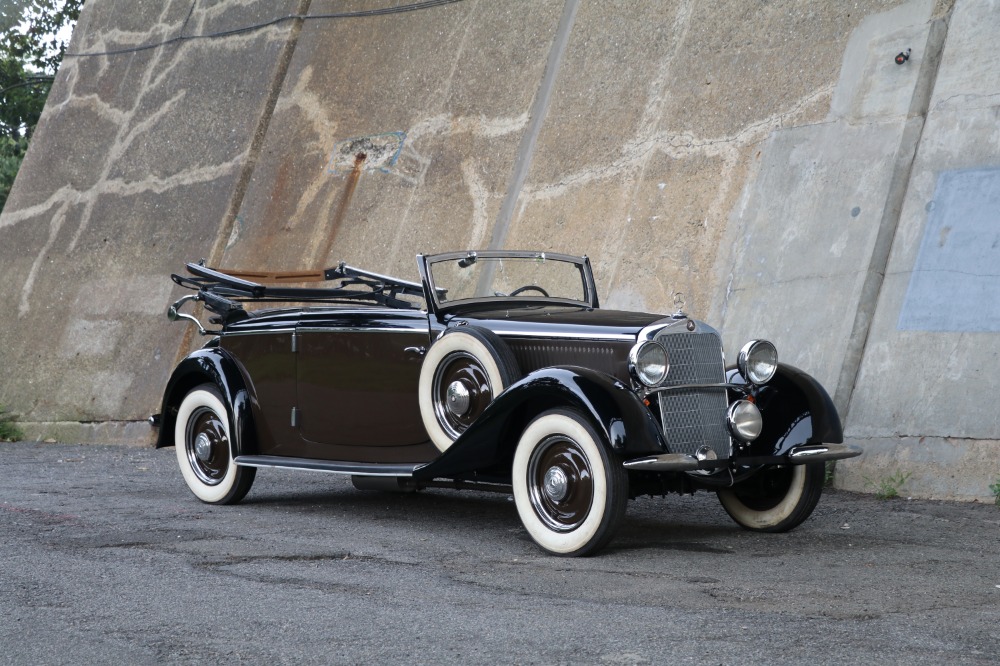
(744, 420)
(649, 363)
(758, 361)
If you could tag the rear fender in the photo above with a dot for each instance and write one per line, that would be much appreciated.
(795, 409)
(213, 366)
(625, 424)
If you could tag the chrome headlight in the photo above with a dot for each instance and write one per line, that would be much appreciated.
(744, 420)
(758, 361)
(648, 363)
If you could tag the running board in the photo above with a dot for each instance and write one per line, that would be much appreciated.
(332, 467)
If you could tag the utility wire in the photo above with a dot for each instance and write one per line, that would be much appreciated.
(416, 6)
(33, 81)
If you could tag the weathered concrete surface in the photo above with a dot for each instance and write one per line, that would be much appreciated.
(947, 416)
(135, 162)
(438, 133)
(804, 237)
(754, 157)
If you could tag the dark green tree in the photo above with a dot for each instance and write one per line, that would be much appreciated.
(30, 52)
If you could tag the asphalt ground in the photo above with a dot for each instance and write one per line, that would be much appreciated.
(106, 557)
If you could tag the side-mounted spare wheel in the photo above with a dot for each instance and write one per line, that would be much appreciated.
(464, 370)
(775, 499)
(202, 441)
(569, 488)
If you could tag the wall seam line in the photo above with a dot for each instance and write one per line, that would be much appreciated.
(529, 139)
(871, 290)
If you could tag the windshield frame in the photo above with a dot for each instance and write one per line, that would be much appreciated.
(433, 292)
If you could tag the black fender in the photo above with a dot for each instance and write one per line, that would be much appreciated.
(619, 416)
(795, 410)
(214, 366)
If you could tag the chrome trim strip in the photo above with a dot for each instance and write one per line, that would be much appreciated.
(550, 335)
(820, 452)
(258, 331)
(332, 467)
(328, 329)
(361, 329)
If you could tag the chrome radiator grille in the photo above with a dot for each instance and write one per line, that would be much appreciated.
(693, 418)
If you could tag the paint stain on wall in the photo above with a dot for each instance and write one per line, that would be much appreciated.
(955, 285)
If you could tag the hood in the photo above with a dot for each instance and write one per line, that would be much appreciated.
(546, 321)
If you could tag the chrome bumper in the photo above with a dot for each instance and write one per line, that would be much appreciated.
(799, 455)
(819, 452)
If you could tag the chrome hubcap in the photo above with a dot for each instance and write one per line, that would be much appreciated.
(458, 398)
(203, 447)
(556, 484)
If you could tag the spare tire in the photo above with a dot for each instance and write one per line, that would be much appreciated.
(464, 370)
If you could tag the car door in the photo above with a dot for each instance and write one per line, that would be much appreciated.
(263, 346)
(357, 375)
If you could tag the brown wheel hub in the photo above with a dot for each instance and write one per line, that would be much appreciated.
(461, 391)
(207, 446)
(561, 483)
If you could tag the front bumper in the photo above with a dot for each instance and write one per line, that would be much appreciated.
(798, 455)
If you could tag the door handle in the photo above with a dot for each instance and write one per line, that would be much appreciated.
(419, 351)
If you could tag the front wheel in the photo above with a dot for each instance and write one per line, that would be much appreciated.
(201, 438)
(775, 499)
(569, 489)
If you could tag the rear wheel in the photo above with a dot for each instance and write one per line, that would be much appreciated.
(775, 499)
(569, 489)
(202, 441)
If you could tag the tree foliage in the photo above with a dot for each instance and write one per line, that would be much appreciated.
(31, 48)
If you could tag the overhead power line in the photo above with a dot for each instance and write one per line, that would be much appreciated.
(32, 81)
(416, 6)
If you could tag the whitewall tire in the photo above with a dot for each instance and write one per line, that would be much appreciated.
(569, 489)
(202, 440)
(464, 370)
(775, 499)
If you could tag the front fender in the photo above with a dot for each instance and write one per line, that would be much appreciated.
(796, 410)
(626, 425)
(214, 366)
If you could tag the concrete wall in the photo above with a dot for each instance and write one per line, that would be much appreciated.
(769, 161)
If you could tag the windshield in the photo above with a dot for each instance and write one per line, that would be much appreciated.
(519, 275)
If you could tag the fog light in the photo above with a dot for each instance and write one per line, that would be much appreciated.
(744, 420)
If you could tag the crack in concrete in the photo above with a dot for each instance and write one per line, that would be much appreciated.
(965, 97)
(677, 145)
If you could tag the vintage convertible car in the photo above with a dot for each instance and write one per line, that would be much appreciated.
(498, 371)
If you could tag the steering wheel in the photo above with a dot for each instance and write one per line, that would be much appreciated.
(529, 287)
